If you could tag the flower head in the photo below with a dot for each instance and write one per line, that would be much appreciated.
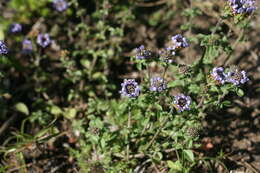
(43, 40)
(237, 77)
(242, 6)
(60, 5)
(15, 28)
(178, 42)
(142, 53)
(184, 69)
(130, 88)
(193, 132)
(166, 55)
(3, 48)
(182, 102)
(219, 75)
(157, 84)
(27, 46)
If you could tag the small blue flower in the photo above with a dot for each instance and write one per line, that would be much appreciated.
(242, 6)
(157, 84)
(182, 102)
(43, 40)
(178, 42)
(237, 77)
(27, 46)
(60, 5)
(142, 53)
(130, 88)
(3, 48)
(15, 28)
(219, 75)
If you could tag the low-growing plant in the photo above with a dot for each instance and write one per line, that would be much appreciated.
(152, 121)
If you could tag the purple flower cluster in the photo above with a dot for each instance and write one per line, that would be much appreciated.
(219, 75)
(178, 42)
(43, 40)
(142, 53)
(27, 46)
(242, 6)
(157, 84)
(130, 88)
(3, 48)
(60, 5)
(182, 102)
(15, 28)
(235, 76)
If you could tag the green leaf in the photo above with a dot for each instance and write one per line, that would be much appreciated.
(103, 143)
(55, 110)
(85, 62)
(158, 106)
(98, 123)
(212, 52)
(194, 88)
(21, 107)
(70, 113)
(42, 132)
(175, 83)
(189, 155)
(157, 156)
(98, 75)
(2, 35)
(240, 92)
(226, 103)
(139, 66)
(174, 165)
(214, 88)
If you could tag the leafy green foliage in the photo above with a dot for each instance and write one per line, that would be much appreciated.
(76, 81)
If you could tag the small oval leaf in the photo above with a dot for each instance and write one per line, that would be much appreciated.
(240, 92)
(174, 165)
(189, 155)
(21, 107)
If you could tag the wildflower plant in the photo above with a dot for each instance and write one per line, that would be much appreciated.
(172, 118)
(147, 117)
(170, 114)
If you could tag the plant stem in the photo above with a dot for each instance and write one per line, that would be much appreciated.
(165, 70)
(228, 60)
(128, 131)
(216, 27)
(149, 71)
(92, 65)
(177, 155)
(7, 123)
(158, 132)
